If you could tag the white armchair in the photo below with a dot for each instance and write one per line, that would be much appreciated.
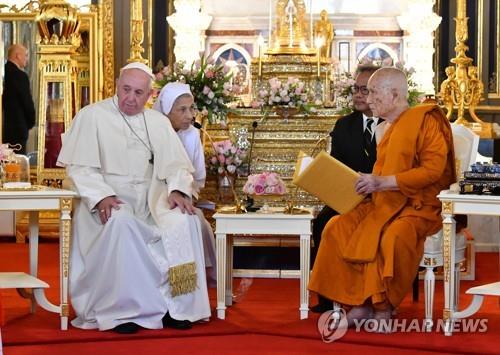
(465, 143)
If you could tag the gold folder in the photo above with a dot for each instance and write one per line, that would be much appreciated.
(328, 179)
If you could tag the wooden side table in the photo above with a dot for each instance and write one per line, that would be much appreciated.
(34, 201)
(454, 203)
(259, 224)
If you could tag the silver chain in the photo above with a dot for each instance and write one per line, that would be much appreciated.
(148, 147)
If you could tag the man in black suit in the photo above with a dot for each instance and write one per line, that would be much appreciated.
(353, 145)
(18, 106)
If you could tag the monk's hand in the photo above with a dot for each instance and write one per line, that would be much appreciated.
(178, 199)
(106, 205)
(368, 183)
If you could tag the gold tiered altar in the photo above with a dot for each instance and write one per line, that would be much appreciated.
(308, 68)
(276, 138)
(276, 145)
(292, 52)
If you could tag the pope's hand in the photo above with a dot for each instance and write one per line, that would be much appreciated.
(177, 199)
(105, 206)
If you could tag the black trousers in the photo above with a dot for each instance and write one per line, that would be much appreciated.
(319, 224)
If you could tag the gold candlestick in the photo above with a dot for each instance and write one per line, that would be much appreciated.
(137, 32)
(319, 64)
(260, 61)
(462, 88)
(260, 42)
(461, 8)
(319, 43)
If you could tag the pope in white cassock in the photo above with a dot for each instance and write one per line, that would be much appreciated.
(176, 102)
(137, 253)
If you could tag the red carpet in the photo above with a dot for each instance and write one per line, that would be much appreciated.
(266, 320)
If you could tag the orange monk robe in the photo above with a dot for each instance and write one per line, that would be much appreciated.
(374, 250)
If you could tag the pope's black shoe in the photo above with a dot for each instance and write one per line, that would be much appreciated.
(169, 322)
(126, 328)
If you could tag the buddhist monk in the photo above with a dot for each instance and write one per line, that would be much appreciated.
(368, 257)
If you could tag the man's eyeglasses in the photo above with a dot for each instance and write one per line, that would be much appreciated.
(362, 89)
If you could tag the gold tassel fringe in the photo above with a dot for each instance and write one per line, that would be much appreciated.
(182, 279)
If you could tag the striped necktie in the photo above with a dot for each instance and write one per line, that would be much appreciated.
(368, 136)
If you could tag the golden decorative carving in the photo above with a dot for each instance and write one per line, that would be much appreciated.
(447, 207)
(446, 250)
(64, 310)
(303, 67)
(58, 15)
(66, 204)
(291, 33)
(65, 231)
(137, 32)
(276, 146)
(446, 314)
(106, 23)
(462, 87)
(55, 70)
(88, 56)
(30, 7)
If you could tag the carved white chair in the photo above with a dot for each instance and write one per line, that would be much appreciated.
(465, 143)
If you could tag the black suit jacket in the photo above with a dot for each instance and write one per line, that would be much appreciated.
(18, 106)
(347, 143)
(347, 146)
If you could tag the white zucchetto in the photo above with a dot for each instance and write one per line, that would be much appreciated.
(140, 66)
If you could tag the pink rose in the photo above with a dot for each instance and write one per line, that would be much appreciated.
(272, 179)
(259, 189)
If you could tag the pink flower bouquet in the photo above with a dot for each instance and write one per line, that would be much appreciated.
(265, 183)
(229, 157)
(290, 93)
(210, 84)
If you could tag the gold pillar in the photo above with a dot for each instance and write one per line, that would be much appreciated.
(58, 26)
(137, 32)
(462, 88)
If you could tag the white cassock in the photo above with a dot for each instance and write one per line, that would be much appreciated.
(120, 271)
(190, 139)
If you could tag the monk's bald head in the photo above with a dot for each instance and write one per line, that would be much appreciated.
(18, 54)
(388, 89)
(392, 79)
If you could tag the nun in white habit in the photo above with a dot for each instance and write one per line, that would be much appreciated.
(137, 254)
(176, 101)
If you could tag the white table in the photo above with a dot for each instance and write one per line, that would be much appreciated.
(45, 198)
(259, 224)
(454, 203)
